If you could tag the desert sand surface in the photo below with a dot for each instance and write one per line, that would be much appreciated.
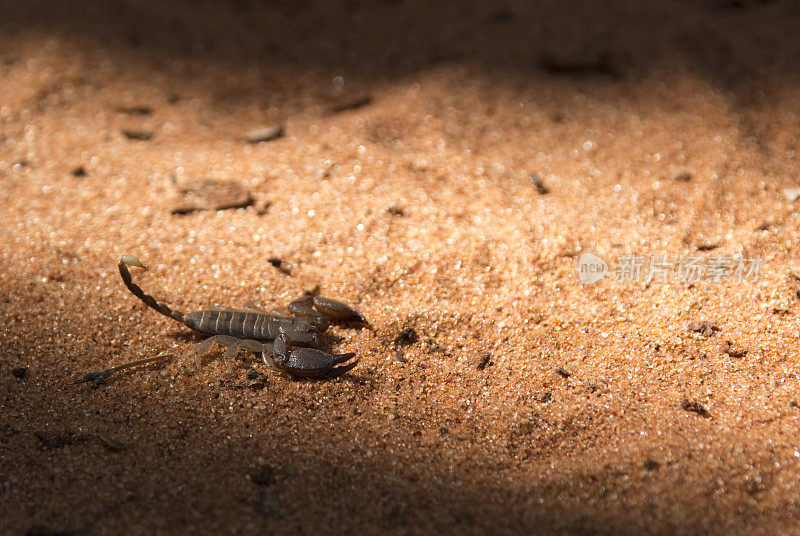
(442, 167)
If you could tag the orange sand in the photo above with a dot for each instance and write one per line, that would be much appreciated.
(416, 207)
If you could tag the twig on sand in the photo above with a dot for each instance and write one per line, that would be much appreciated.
(99, 376)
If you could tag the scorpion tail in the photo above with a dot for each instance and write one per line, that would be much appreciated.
(163, 308)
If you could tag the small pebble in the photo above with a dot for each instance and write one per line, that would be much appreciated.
(561, 65)
(563, 372)
(708, 246)
(791, 194)
(651, 465)
(278, 263)
(264, 475)
(137, 135)
(264, 134)
(111, 443)
(704, 327)
(683, 177)
(481, 360)
(695, 407)
(354, 104)
(394, 210)
(406, 337)
(434, 346)
(135, 110)
(537, 181)
(256, 380)
(79, 171)
(544, 397)
(264, 208)
(733, 349)
(19, 372)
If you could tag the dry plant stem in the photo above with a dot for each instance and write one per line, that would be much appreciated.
(101, 375)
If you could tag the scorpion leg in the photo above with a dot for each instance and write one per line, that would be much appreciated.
(269, 360)
(320, 307)
(205, 346)
(303, 337)
(230, 353)
(246, 344)
(255, 346)
(233, 346)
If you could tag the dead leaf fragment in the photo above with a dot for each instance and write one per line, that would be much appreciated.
(209, 194)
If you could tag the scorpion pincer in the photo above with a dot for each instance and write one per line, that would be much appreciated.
(286, 343)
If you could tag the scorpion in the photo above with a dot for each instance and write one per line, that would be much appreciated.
(287, 343)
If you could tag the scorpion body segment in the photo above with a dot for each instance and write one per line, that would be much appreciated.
(252, 325)
(271, 334)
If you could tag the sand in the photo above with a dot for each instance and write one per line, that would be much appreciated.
(495, 392)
